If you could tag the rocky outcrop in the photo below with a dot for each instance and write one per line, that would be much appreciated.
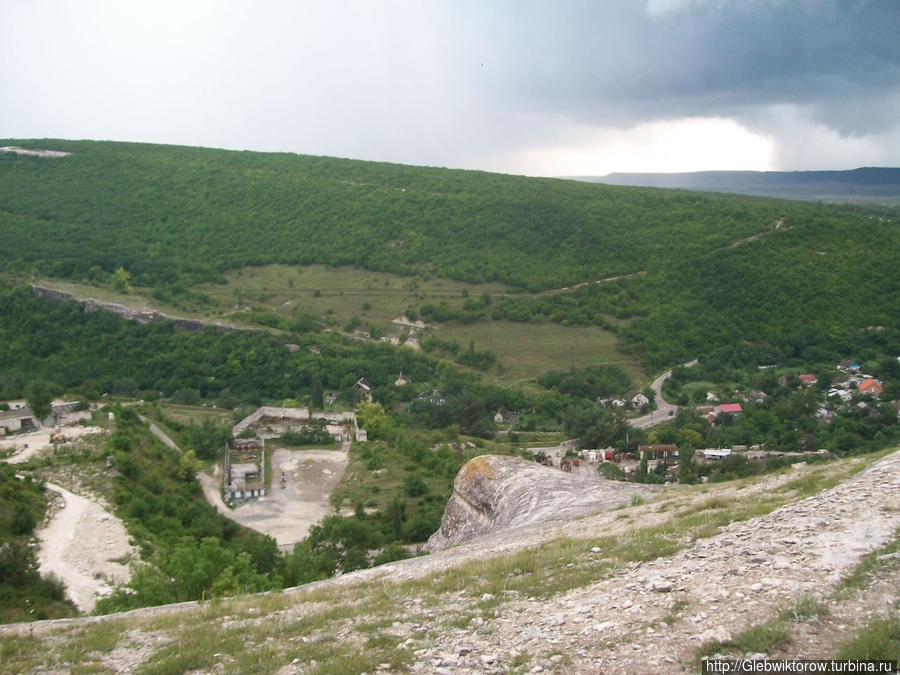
(131, 313)
(492, 493)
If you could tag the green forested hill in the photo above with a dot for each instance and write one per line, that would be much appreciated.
(168, 212)
(703, 272)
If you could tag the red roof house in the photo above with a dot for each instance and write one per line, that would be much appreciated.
(871, 386)
(808, 379)
(731, 408)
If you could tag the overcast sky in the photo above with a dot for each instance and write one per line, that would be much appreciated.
(551, 87)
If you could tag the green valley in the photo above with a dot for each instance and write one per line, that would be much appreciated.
(459, 313)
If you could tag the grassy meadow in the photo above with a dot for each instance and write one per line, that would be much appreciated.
(341, 295)
(526, 350)
(339, 292)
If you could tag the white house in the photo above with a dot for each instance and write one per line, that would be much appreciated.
(716, 453)
(842, 394)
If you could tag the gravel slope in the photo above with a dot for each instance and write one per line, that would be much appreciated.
(86, 547)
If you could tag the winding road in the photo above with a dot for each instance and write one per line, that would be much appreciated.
(664, 410)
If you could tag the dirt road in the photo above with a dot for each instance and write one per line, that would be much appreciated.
(86, 547)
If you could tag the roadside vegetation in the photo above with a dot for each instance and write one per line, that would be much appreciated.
(24, 594)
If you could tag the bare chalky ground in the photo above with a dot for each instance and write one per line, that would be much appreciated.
(86, 547)
(628, 617)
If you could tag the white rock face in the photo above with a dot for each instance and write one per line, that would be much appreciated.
(493, 493)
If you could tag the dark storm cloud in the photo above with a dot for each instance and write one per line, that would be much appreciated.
(465, 83)
(623, 62)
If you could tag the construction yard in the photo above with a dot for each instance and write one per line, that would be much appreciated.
(286, 513)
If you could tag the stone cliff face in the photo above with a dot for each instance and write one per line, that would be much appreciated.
(130, 313)
(492, 493)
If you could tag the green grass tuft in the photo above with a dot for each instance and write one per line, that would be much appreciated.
(759, 639)
(879, 639)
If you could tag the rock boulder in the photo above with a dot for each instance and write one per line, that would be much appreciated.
(495, 492)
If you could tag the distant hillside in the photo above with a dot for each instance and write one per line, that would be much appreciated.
(168, 213)
(674, 274)
(866, 185)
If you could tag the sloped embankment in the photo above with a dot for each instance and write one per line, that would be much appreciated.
(640, 589)
(136, 314)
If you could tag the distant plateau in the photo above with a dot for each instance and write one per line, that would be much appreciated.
(872, 185)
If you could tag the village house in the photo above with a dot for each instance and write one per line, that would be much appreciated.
(843, 381)
(808, 379)
(843, 394)
(730, 409)
(708, 413)
(755, 396)
(639, 400)
(504, 416)
(715, 454)
(434, 397)
(364, 387)
(19, 419)
(633, 398)
(667, 454)
(243, 479)
(596, 456)
(871, 387)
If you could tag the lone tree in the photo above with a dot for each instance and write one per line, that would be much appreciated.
(38, 398)
(121, 280)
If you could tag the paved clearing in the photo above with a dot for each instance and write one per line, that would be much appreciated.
(287, 513)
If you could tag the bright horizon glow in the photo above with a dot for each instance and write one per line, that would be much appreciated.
(677, 146)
